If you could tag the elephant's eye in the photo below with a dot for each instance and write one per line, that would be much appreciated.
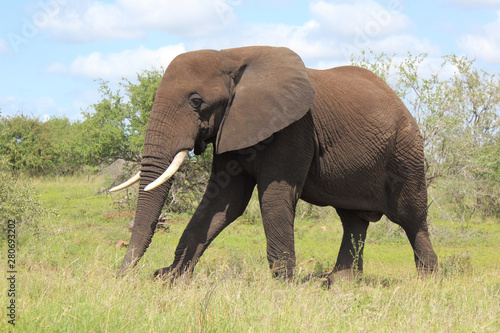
(195, 101)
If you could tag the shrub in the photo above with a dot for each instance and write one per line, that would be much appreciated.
(30, 145)
(19, 202)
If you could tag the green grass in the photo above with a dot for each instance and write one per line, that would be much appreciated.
(66, 276)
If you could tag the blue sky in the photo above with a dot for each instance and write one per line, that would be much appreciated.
(52, 51)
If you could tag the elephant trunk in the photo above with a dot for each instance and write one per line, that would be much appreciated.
(162, 143)
(149, 206)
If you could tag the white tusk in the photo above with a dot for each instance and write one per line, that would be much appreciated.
(171, 170)
(127, 183)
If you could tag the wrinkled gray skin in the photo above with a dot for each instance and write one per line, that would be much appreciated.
(338, 137)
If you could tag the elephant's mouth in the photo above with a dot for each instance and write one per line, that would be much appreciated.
(200, 147)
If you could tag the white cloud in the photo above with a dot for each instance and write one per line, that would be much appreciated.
(484, 45)
(304, 39)
(352, 27)
(361, 17)
(117, 65)
(334, 32)
(90, 20)
(3, 46)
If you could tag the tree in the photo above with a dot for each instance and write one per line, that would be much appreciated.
(115, 126)
(104, 137)
(24, 142)
(141, 99)
(31, 145)
(18, 202)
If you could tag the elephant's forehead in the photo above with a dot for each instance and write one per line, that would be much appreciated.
(195, 62)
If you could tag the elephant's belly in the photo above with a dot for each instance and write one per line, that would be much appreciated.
(346, 197)
(353, 181)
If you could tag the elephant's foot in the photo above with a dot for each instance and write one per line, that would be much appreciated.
(286, 274)
(283, 268)
(169, 274)
(425, 271)
(313, 278)
(427, 266)
(163, 273)
(349, 275)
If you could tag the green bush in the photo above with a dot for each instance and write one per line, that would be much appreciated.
(30, 145)
(19, 202)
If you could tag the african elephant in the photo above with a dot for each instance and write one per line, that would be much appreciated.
(338, 137)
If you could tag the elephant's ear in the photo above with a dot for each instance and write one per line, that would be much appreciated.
(272, 90)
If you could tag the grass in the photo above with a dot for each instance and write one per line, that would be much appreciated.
(66, 276)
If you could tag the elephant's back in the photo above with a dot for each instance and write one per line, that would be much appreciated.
(355, 89)
(353, 101)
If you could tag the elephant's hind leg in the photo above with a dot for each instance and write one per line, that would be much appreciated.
(350, 257)
(425, 257)
(411, 215)
(406, 194)
(417, 232)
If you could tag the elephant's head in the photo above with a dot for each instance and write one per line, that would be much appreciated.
(234, 98)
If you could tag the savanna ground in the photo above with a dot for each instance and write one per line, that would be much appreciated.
(67, 262)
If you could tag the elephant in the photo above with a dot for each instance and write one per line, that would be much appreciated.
(338, 137)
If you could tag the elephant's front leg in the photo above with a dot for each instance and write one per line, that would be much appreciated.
(278, 201)
(226, 197)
